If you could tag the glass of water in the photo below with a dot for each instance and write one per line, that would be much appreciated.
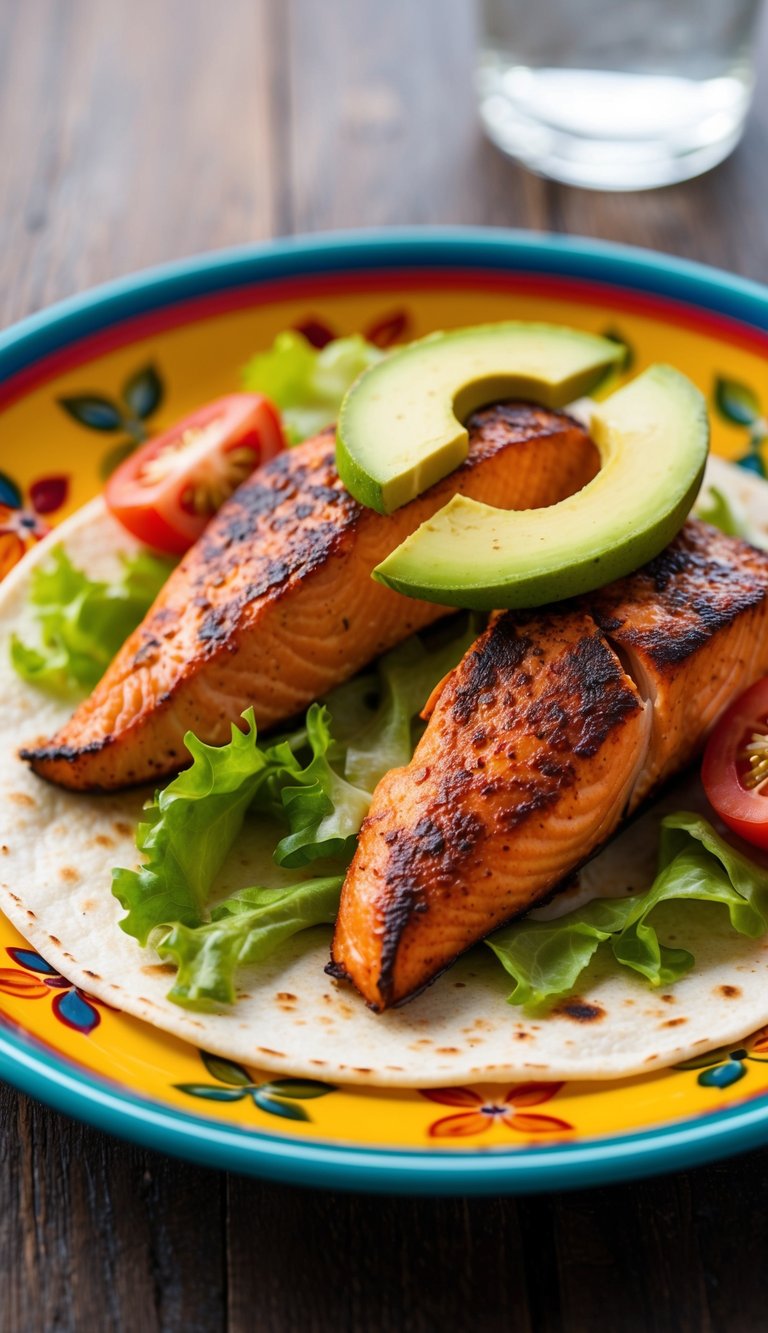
(616, 94)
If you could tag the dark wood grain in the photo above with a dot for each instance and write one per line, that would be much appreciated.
(133, 131)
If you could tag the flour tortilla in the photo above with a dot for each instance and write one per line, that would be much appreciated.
(58, 849)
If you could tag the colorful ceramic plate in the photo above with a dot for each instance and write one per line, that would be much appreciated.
(80, 385)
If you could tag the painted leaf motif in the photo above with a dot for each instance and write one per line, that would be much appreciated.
(143, 392)
(32, 961)
(453, 1096)
(72, 1009)
(752, 463)
(301, 1088)
(114, 457)
(706, 1060)
(531, 1094)
(317, 333)
(461, 1126)
(536, 1124)
(13, 982)
(389, 329)
(722, 1076)
(49, 493)
(10, 494)
(736, 402)
(96, 413)
(276, 1107)
(226, 1071)
(211, 1093)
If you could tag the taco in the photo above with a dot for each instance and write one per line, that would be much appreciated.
(650, 953)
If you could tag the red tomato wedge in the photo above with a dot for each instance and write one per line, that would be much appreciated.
(167, 490)
(735, 767)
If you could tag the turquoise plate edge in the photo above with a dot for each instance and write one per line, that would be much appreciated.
(75, 1093)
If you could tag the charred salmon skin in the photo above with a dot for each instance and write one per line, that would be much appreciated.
(274, 604)
(554, 727)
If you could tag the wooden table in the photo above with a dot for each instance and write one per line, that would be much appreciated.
(133, 131)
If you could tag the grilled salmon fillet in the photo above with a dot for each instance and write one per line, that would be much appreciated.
(553, 727)
(274, 605)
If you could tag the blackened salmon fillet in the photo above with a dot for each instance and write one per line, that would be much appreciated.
(274, 605)
(553, 728)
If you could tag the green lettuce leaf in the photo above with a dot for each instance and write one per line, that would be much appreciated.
(323, 810)
(191, 825)
(308, 384)
(714, 507)
(83, 621)
(546, 958)
(245, 928)
(375, 716)
(406, 678)
(296, 792)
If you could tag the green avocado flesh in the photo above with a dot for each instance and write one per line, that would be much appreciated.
(653, 437)
(401, 426)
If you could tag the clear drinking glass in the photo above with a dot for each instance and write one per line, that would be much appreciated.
(616, 94)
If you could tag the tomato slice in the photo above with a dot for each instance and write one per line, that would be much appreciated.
(735, 767)
(167, 490)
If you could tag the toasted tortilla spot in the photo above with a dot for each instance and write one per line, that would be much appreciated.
(55, 941)
(69, 875)
(5, 849)
(673, 1022)
(265, 1050)
(158, 969)
(448, 1050)
(581, 1011)
(317, 1062)
(102, 840)
(286, 995)
(728, 992)
(668, 999)
(356, 1070)
(124, 829)
(89, 973)
(21, 798)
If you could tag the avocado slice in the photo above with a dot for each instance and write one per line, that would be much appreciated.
(401, 425)
(653, 437)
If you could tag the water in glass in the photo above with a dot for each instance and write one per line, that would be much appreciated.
(616, 94)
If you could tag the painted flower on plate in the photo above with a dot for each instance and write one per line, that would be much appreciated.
(512, 1110)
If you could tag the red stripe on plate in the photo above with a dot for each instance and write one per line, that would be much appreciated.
(609, 296)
